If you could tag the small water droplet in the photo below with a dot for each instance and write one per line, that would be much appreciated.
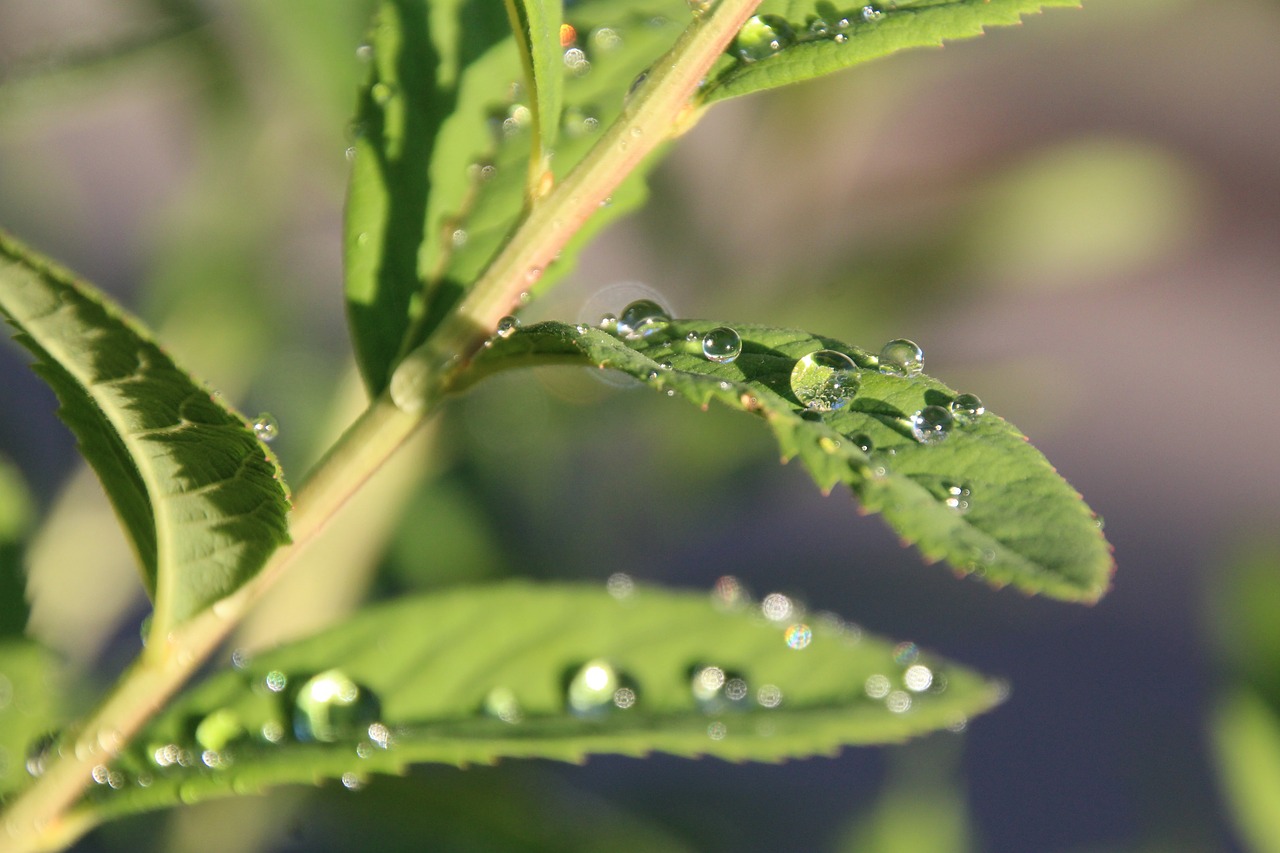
(575, 60)
(722, 345)
(593, 690)
(717, 730)
(901, 357)
(620, 585)
(605, 39)
(729, 594)
(877, 686)
(352, 781)
(825, 380)
(724, 385)
(330, 706)
(364, 52)
(641, 319)
(777, 607)
(819, 28)
(275, 681)
(379, 735)
(651, 375)
(501, 704)
(665, 364)
(272, 731)
(761, 37)
(41, 753)
(769, 696)
(459, 238)
(581, 328)
(100, 773)
(609, 323)
(265, 427)
(350, 153)
(798, 636)
(382, 92)
(957, 497)
(967, 408)
(931, 425)
(864, 442)
(839, 38)
(917, 678)
(1099, 521)
(507, 326)
(716, 690)
(871, 14)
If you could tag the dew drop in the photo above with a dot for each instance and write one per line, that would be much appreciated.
(665, 364)
(265, 427)
(331, 706)
(352, 781)
(722, 345)
(825, 380)
(957, 497)
(871, 14)
(576, 62)
(819, 28)
(716, 690)
(641, 319)
(777, 607)
(605, 39)
(932, 424)
(459, 238)
(877, 686)
(609, 322)
(379, 735)
(596, 688)
(898, 701)
(901, 357)
(507, 326)
(620, 585)
(41, 753)
(717, 730)
(967, 408)
(864, 442)
(275, 681)
(581, 328)
(350, 153)
(364, 53)
(798, 636)
(700, 7)
(917, 678)
(761, 37)
(769, 696)
(382, 93)
(501, 704)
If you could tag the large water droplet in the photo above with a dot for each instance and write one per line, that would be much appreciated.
(967, 408)
(501, 704)
(331, 706)
(641, 319)
(825, 380)
(762, 36)
(596, 688)
(901, 357)
(722, 345)
(931, 425)
(265, 427)
(507, 326)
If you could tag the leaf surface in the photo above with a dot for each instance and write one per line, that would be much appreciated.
(983, 498)
(428, 668)
(441, 153)
(816, 38)
(201, 499)
(538, 37)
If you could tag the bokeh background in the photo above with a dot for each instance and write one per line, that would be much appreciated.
(1077, 218)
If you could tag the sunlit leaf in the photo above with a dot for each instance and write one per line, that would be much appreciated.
(976, 494)
(202, 500)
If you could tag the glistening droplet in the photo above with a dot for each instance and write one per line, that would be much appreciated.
(931, 425)
(825, 380)
(901, 357)
(331, 706)
(641, 319)
(507, 326)
(722, 345)
(597, 688)
(761, 37)
(265, 427)
(967, 408)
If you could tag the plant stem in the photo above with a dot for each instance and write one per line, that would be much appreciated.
(35, 819)
(660, 106)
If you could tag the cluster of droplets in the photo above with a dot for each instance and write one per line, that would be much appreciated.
(763, 36)
(899, 690)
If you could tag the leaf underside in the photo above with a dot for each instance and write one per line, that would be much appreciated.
(201, 499)
(821, 38)
(441, 153)
(434, 662)
(1018, 523)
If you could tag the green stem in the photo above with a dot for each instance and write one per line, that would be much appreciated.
(660, 107)
(36, 819)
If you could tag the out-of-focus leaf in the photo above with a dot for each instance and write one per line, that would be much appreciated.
(1246, 736)
(554, 671)
(982, 498)
(30, 709)
(538, 36)
(202, 500)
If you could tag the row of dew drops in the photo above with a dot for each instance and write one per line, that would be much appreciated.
(332, 707)
(763, 36)
(823, 381)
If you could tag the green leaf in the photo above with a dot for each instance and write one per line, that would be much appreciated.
(441, 154)
(30, 708)
(1246, 735)
(983, 499)
(537, 27)
(427, 668)
(15, 522)
(815, 38)
(201, 499)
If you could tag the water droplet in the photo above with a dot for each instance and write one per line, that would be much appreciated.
(931, 425)
(459, 238)
(729, 594)
(724, 385)
(100, 774)
(819, 28)
(769, 696)
(1099, 521)
(597, 687)
(776, 607)
(840, 38)
(825, 380)
(350, 153)
(871, 14)
(364, 53)
(382, 92)
(918, 677)
(716, 690)
(488, 171)
(957, 497)
(967, 408)
(898, 701)
(166, 756)
(901, 357)
(41, 753)
(330, 706)
(798, 636)
(641, 319)
(877, 686)
(609, 323)
(507, 326)
(605, 39)
(275, 681)
(864, 442)
(635, 86)
(620, 585)
(214, 759)
(501, 704)
(722, 345)
(218, 729)
(581, 328)
(717, 730)
(905, 654)
(265, 427)
(575, 60)
(762, 36)
(272, 731)
(665, 364)
(352, 781)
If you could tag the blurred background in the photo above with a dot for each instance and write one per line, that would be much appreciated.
(1076, 218)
